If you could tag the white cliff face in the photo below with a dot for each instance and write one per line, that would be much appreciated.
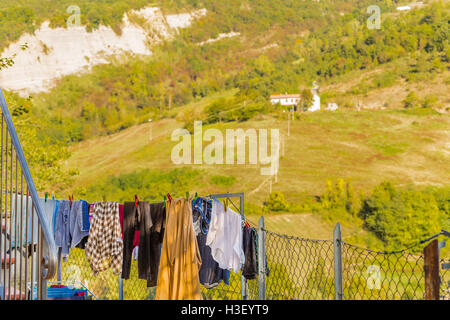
(54, 53)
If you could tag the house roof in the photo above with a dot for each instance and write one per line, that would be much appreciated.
(284, 96)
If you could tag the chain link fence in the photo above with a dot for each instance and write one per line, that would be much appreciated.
(445, 279)
(297, 269)
(371, 275)
(104, 286)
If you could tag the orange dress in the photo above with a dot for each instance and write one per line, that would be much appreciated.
(180, 257)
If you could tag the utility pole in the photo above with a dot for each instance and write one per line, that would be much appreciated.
(289, 123)
(151, 133)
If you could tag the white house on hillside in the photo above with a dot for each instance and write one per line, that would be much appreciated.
(315, 103)
(285, 99)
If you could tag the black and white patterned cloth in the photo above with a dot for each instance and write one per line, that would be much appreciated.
(104, 248)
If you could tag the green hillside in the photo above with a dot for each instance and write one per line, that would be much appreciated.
(282, 47)
(364, 148)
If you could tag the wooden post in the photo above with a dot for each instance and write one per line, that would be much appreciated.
(431, 269)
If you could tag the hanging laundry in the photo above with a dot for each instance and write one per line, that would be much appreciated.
(130, 221)
(136, 232)
(104, 248)
(21, 209)
(250, 268)
(150, 242)
(50, 207)
(210, 273)
(225, 237)
(135, 253)
(76, 222)
(86, 225)
(178, 277)
(62, 229)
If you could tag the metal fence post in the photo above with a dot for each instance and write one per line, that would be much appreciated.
(262, 259)
(431, 269)
(120, 287)
(337, 239)
(244, 289)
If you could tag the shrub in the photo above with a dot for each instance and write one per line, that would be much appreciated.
(400, 217)
(277, 202)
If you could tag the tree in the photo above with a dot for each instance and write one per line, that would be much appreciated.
(307, 98)
(400, 217)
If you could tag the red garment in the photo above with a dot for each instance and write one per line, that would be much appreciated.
(136, 232)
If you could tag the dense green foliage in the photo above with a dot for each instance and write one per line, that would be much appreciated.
(45, 157)
(398, 217)
(303, 41)
(401, 217)
(277, 202)
(149, 184)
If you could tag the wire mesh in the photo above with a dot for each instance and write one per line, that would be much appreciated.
(445, 280)
(371, 275)
(299, 269)
(136, 289)
(104, 286)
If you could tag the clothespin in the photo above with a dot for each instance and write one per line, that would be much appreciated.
(70, 199)
(225, 203)
(169, 197)
(46, 195)
(196, 196)
(136, 200)
(187, 195)
(165, 199)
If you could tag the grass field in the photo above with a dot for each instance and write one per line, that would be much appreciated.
(365, 147)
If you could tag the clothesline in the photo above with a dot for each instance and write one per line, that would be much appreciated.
(211, 196)
(228, 245)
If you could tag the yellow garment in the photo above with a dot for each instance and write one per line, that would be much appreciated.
(180, 258)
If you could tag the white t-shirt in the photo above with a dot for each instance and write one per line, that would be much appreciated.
(225, 237)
